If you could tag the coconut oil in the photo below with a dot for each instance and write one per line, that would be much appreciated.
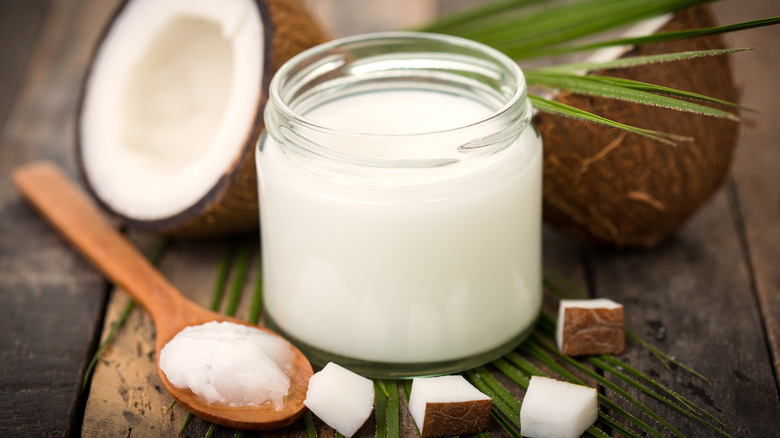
(229, 364)
(400, 200)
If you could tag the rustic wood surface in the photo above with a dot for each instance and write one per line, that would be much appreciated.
(709, 297)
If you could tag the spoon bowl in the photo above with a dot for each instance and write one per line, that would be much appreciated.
(77, 218)
(263, 417)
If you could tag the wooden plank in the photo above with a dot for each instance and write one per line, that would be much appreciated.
(126, 394)
(19, 24)
(701, 297)
(757, 158)
(691, 298)
(52, 300)
(123, 395)
(718, 280)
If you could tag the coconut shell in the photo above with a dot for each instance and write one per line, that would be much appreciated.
(456, 418)
(231, 206)
(608, 186)
(590, 331)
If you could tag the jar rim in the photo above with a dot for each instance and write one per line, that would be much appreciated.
(293, 63)
(393, 61)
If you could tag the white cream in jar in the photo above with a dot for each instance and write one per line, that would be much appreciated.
(401, 208)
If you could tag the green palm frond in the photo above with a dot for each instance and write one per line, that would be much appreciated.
(606, 87)
(527, 29)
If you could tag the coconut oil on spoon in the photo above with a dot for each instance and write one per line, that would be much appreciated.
(74, 215)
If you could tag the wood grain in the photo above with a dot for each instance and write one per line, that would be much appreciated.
(20, 21)
(756, 187)
(710, 297)
(692, 299)
(52, 299)
(71, 212)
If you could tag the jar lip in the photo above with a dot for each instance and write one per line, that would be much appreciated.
(500, 58)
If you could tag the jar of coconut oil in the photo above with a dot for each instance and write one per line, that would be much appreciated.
(400, 204)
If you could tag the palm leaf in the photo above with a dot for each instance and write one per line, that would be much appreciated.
(386, 408)
(308, 421)
(222, 273)
(603, 87)
(619, 364)
(659, 89)
(239, 278)
(654, 38)
(503, 400)
(553, 107)
(534, 350)
(688, 408)
(470, 15)
(515, 30)
(633, 61)
(380, 408)
(525, 29)
(523, 379)
(257, 298)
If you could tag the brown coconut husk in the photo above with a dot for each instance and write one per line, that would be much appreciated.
(609, 186)
(231, 206)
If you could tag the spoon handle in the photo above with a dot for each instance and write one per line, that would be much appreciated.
(78, 219)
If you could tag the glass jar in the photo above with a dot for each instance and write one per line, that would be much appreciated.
(400, 204)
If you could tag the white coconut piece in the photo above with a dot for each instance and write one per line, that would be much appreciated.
(586, 327)
(557, 409)
(342, 399)
(447, 406)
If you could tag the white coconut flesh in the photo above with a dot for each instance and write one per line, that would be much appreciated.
(557, 409)
(341, 398)
(169, 102)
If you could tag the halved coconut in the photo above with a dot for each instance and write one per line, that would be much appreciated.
(620, 189)
(172, 107)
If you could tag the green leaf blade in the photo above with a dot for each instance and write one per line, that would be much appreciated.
(239, 279)
(635, 41)
(468, 16)
(503, 400)
(561, 109)
(633, 61)
(603, 87)
(256, 307)
(222, 274)
(659, 89)
(380, 409)
(519, 30)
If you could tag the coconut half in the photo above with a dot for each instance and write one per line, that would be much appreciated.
(619, 189)
(172, 107)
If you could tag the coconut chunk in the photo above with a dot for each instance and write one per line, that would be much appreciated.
(448, 405)
(556, 409)
(590, 327)
(342, 399)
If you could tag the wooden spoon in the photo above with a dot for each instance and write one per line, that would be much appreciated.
(77, 218)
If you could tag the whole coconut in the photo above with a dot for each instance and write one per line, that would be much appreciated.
(608, 186)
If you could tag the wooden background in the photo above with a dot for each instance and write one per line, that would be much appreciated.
(710, 296)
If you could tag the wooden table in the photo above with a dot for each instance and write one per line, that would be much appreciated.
(709, 297)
